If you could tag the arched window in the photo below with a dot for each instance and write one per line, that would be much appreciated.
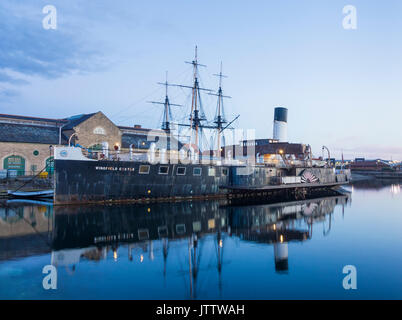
(15, 163)
(99, 130)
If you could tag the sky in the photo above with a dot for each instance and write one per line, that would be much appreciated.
(342, 86)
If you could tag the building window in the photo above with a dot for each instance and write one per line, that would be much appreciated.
(181, 171)
(197, 171)
(163, 170)
(99, 130)
(211, 172)
(144, 169)
(35, 153)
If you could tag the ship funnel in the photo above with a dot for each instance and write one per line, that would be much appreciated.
(281, 124)
(281, 256)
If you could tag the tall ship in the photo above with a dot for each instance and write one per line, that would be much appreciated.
(180, 167)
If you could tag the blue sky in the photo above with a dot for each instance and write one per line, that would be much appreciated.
(342, 87)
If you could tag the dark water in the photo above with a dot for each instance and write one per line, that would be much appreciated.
(206, 250)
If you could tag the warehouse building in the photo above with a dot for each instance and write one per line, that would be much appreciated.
(26, 143)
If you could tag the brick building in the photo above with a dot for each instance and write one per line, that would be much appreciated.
(26, 143)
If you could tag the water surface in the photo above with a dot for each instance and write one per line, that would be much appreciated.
(207, 250)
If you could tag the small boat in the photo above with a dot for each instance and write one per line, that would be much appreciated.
(40, 201)
(31, 194)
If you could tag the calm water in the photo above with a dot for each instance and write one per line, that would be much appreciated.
(206, 250)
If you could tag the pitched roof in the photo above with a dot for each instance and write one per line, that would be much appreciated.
(26, 118)
(76, 120)
(11, 132)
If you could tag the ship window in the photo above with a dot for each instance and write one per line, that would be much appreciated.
(163, 170)
(144, 169)
(143, 234)
(196, 226)
(181, 171)
(197, 171)
(180, 228)
(211, 172)
(225, 171)
(163, 231)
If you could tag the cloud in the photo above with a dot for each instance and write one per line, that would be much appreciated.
(5, 78)
(5, 94)
(29, 50)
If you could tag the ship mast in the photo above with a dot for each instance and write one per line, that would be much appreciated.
(195, 119)
(196, 114)
(167, 105)
(220, 119)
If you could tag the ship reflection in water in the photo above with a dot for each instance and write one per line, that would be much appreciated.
(185, 250)
(92, 232)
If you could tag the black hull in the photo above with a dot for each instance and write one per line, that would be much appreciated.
(80, 181)
(100, 181)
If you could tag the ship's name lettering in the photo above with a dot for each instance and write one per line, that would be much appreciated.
(114, 168)
(119, 236)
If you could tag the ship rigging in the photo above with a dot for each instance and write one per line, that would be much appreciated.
(197, 119)
(167, 113)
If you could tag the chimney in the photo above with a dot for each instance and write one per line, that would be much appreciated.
(281, 124)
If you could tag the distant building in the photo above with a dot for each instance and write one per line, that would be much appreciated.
(361, 164)
(264, 147)
(26, 143)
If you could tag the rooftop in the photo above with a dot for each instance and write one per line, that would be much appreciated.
(12, 132)
(28, 118)
(16, 128)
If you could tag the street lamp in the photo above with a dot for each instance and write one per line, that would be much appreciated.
(69, 140)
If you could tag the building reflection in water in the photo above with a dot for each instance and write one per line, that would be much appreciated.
(371, 183)
(395, 189)
(25, 229)
(71, 234)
